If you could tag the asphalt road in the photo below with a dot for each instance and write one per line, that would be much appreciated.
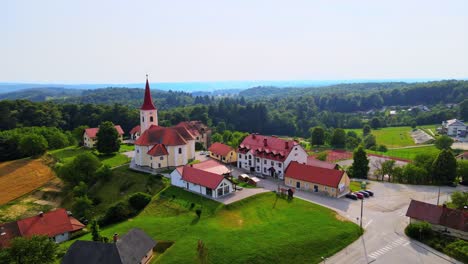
(384, 221)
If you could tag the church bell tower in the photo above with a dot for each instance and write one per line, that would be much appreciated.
(148, 112)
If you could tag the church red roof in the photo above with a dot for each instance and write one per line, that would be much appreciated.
(323, 176)
(201, 177)
(148, 101)
(50, 224)
(184, 132)
(220, 149)
(91, 132)
(135, 130)
(196, 127)
(158, 150)
(160, 135)
(268, 147)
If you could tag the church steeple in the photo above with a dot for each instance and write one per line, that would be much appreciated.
(148, 101)
(148, 112)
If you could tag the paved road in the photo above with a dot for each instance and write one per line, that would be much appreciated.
(384, 220)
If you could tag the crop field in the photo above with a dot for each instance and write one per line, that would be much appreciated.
(20, 177)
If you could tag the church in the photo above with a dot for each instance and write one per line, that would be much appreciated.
(160, 147)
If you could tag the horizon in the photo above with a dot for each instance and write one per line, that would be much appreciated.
(211, 41)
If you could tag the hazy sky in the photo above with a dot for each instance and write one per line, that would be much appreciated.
(120, 41)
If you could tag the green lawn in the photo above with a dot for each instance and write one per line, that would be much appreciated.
(407, 153)
(125, 148)
(69, 153)
(259, 229)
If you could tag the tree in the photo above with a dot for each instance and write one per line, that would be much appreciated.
(459, 199)
(384, 168)
(462, 170)
(104, 173)
(31, 145)
(443, 142)
(139, 200)
(360, 164)
(82, 168)
(338, 138)
(322, 156)
(95, 231)
(375, 123)
(80, 190)
(216, 137)
(37, 249)
(366, 130)
(107, 138)
(464, 110)
(78, 133)
(444, 168)
(317, 136)
(82, 206)
(425, 161)
(352, 143)
(369, 141)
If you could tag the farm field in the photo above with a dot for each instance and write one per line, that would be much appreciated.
(259, 229)
(22, 176)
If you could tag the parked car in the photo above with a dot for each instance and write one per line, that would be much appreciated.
(364, 193)
(359, 195)
(369, 192)
(351, 196)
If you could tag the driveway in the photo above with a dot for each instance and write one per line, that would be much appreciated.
(384, 221)
(239, 195)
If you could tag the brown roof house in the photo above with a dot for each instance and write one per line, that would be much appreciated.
(442, 219)
(223, 153)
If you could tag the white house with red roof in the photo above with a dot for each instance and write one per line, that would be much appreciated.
(206, 178)
(223, 152)
(268, 155)
(160, 147)
(331, 181)
(90, 139)
(57, 224)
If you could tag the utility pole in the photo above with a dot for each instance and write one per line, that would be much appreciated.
(438, 196)
(362, 205)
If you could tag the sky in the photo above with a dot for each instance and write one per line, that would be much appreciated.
(116, 41)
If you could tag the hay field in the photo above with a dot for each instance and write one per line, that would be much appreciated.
(19, 177)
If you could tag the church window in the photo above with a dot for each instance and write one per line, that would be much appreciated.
(180, 150)
(161, 158)
(142, 119)
(151, 119)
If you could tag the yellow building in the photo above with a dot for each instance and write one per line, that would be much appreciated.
(222, 152)
(332, 182)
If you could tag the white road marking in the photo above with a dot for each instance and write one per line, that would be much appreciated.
(390, 246)
(407, 243)
(368, 223)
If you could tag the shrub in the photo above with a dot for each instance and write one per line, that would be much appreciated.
(459, 250)
(116, 213)
(104, 173)
(192, 205)
(382, 148)
(419, 230)
(322, 156)
(139, 200)
(198, 212)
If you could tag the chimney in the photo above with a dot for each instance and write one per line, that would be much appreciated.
(116, 237)
(41, 214)
(265, 143)
(286, 145)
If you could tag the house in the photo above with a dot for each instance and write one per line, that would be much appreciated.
(160, 147)
(393, 112)
(57, 224)
(208, 178)
(268, 155)
(134, 247)
(312, 161)
(452, 126)
(89, 136)
(333, 182)
(462, 156)
(223, 153)
(200, 131)
(442, 219)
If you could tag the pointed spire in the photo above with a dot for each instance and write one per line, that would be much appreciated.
(148, 101)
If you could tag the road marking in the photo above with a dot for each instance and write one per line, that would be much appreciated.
(389, 247)
(368, 223)
(407, 243)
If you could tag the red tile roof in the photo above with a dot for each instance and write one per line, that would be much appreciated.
(201, 177)
(220, 149)
(50, 224)
(147, 101)
(303, 172)
(91, 132)
(161, 135)
(438, 215)
(183, 132)
(269, 147)
(158, 150)
(312, 161)
(135, 130)
(195, 127)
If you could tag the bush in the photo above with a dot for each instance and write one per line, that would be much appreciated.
(139, 200)
(322, 156)
(459, 250)
(104, 173)
(116, 213)
(419, 230)
(382, 148)
(198, 212)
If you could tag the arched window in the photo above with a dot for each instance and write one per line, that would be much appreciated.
(151, 119)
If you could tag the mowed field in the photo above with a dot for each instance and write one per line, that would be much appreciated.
(20, 177)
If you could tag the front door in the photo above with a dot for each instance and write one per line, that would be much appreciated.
(298, 185)
(315, 188)
(209, 192)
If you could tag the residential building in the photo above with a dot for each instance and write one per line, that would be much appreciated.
(200, 131)
(305, 177)
(208, 178)
(223, 153)
(312, 161)
(451, 127)
(57, 224)
(462, 156)
(90, 138)
(134, 247)
(160, 147)
(442, 219)
(268, 155)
